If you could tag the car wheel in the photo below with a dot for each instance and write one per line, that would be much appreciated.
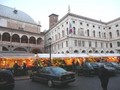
(50, 83)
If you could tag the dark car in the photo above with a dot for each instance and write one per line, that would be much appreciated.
(88, 69)
(6, 80)
(114, 65)
(53, 76)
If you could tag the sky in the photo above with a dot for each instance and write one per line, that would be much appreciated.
(39, 10)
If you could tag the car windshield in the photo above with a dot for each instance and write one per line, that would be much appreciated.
(58, 70)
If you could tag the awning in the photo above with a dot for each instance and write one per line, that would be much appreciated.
(16, 55)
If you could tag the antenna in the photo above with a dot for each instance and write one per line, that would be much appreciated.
(69, 9)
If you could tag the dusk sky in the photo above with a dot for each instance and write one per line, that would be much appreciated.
(39, 10)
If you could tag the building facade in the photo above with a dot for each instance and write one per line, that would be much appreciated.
(19, 32)
(78, 34)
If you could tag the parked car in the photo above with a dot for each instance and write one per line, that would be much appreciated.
(112, 70)
(6, 80)
(87, 68)
(53, 76)
(115, 65)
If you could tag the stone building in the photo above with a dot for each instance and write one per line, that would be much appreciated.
(19, 32)
(78, 34)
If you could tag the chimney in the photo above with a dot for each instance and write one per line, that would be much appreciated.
(53, 19)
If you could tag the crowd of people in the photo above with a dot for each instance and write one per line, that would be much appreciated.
(18, 70)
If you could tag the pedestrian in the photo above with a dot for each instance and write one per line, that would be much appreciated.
(24, 68)
(104, 76)
(16, 69)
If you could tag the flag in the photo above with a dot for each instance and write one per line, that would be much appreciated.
(70, 28)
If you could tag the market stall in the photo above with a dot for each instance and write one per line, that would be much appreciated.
(7, 60)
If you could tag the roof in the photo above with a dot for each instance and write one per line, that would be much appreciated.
(17, 55)
(15, 14)
(39, 55)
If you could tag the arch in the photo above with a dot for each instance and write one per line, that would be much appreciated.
(90, 51)
(39, 40)
(20, 49)
(96, 51)
(83, 51)
(32, 40)
(76, 51)
(24, 39)
(15, 38)
(4, 49)
(107, 51)
(6, 37)
(36, 50)
(102, 51)
(111, 51)
(62, 52)
(67, 51)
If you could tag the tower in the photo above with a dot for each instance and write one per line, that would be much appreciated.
(53, 19)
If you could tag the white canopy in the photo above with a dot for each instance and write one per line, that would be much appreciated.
(74, 55)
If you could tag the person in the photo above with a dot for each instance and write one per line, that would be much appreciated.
(74, 66)
(104, 76)
(16, 69)
(24, 69)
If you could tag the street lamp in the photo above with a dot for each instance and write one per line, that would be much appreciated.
(50, 40)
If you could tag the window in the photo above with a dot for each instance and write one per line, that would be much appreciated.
(87, 24)
(93, 33)
(75, 41)
(88, 33)
(106, 45)
(110, 45)
(109, 27)
(79, 43)
(89, 43)
(99, 34)
(118, 44)
(95, 44)
(117, 33)
(73, 21)
(74, 31)
(67, 31)
(101, 44)
(117, 25)
(104, 35)
(58, 35)
(62, 44)
(110, 34)
(83, 43)
(66, 43)
(80, 23)
(58, 46)
(93, 26)
(62, 33)
(55, 37)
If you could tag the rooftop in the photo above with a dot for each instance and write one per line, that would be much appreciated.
(15, 14)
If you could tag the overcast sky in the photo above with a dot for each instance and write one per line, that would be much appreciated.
(39, 10)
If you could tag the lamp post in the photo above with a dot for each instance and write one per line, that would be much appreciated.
(50, 40)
